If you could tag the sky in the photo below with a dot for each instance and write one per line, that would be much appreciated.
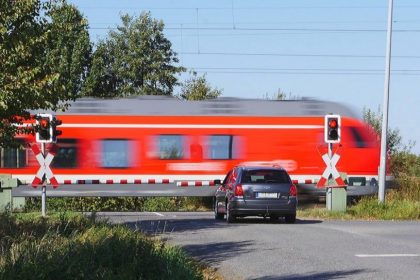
(322, 49)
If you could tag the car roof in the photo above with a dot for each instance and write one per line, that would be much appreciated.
(259, 167)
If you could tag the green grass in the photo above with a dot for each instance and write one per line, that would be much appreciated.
(401, 203)
(398, 206)
(98, 204)
(70, 246)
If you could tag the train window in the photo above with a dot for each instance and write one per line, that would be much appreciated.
(219, 147)
(171, 146)
(66, 156)
(357, 137)
(13, 157)
(115, 153)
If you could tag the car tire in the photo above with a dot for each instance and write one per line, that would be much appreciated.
(274, 218)
(290, 219)
(217, 215)
(230, 218)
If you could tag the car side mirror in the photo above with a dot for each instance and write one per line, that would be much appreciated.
(217, 182)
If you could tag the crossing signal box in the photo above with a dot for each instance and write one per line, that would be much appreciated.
(55, 132)
(332, 129)
(47, 131)
(44, 129)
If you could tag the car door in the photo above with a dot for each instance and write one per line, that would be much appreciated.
(221, 190)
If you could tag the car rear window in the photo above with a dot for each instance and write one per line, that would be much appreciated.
(265, 176)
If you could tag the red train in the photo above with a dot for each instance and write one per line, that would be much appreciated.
(153, 139)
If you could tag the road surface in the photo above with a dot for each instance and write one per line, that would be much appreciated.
(310, 249)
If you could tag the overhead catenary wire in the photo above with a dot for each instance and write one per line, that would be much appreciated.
(299, 69)
(303, 73)
(253, 8)
(273, 29)
(296, 54)
(201, 30)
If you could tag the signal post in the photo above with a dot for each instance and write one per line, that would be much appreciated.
(336, 193)
(46, 132)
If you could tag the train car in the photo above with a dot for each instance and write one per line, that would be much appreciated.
(152, 139)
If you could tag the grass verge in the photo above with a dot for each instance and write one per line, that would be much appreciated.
(396, 207)
(70, 246)
(99, 204)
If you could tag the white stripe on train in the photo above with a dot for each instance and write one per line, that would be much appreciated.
(212, 126)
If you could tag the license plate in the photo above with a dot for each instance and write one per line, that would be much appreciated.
(266, 195)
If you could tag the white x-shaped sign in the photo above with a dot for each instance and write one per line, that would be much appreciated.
(331, 163)
(44, 168)
(330, 170)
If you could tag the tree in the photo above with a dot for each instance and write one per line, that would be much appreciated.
(136, 59)
(374, 119)
(39, 68)
(281, 95)
(69, 47)
(197, 88)
(403, 162)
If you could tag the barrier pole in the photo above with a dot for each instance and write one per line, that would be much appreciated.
(44, 187)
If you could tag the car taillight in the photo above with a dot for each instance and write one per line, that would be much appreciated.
(293, 190)
(239, 191)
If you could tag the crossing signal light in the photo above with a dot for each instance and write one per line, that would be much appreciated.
(44, 131)
(332, 128)
(55, 132)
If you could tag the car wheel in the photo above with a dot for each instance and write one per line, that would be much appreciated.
(229, 217)
(274, 218)
(217, 215)
(290, 219)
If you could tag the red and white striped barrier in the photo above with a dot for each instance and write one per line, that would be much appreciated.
(44, 167)
(305, 181)
(120, 181)
(195, 183)
(190, 182)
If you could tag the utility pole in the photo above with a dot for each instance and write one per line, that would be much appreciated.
(382, 166)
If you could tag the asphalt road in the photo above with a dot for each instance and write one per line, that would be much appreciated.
(310, 249)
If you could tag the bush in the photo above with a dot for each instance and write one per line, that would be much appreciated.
(97, 204)
(393, 209)
(73, 247)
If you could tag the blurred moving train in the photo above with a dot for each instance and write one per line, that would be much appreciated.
(152, 139)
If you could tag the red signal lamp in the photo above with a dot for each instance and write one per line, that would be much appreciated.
(44, 123)
(332, 123)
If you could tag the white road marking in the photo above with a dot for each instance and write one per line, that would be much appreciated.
(386, 255)
(159, 214)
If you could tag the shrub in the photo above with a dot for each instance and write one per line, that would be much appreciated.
(97, 204)
(73, 247)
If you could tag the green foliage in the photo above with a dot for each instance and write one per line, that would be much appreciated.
(161, 204)
(394, 140)
(69, 48)
(97, 204)
(76, 248)
(136, 59)
(408, 188)
(369, 208)
(44, 49)
(281, 95)
(393, 209)
(197, 88)
(406, 164)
